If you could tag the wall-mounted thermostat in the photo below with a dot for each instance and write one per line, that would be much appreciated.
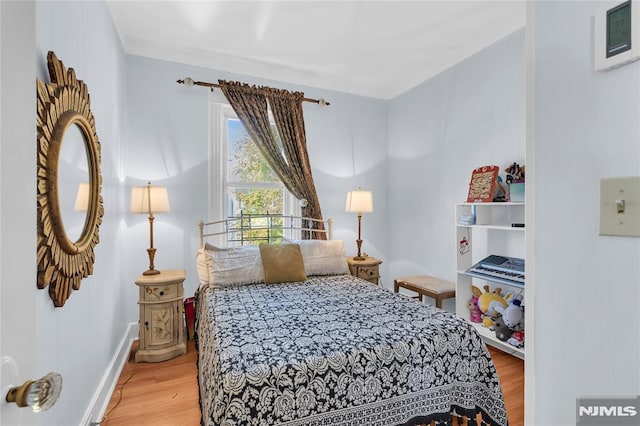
(617, 35)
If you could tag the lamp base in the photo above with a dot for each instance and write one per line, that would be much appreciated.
(359, 256)
(152, 253)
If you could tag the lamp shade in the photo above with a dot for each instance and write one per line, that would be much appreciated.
(82, 199)
(359, 201)
(149, 199)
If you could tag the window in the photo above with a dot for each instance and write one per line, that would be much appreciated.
(240, 179)
(251, 185)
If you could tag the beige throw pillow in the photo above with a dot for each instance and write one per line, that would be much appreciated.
(282, 263)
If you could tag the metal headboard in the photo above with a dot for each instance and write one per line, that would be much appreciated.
(261, 228)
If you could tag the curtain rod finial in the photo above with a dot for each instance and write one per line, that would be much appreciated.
(187, 81)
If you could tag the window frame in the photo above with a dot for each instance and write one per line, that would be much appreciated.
(218, 183)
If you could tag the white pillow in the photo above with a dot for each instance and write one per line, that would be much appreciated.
(322, 257)
(230, 266)
(203, 266)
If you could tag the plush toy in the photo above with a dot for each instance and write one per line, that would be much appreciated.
(513, 315)
(515, 173)
(502, 331)
(475, 314)
(488, 322)
(517, 339)
(488, 302)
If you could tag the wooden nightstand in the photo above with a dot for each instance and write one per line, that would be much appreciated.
(367, 269)
(162, 335)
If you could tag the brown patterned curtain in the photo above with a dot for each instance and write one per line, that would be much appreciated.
(290, 161)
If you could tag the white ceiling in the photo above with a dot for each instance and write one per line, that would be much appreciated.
(377, 49)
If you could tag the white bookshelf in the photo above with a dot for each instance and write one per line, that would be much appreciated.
(492, 233)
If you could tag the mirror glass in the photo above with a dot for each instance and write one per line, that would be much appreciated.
(73, 179)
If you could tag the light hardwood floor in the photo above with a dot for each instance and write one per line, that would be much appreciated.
(511, 373)
(166, 393)
(159, 394)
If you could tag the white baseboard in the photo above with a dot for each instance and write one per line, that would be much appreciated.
(98, 405)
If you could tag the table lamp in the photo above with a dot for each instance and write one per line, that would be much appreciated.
(149, 200)
(359, 201)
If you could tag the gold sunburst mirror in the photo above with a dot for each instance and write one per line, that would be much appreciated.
(64, 110)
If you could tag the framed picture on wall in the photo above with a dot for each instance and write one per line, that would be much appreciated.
(483, 184)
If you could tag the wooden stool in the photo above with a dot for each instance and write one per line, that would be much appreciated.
(425, 285)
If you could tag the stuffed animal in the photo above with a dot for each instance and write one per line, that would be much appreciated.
(513, 315)
(475, 313)
(488, 322)
(488, 302)
(502, 331)
(515, 173)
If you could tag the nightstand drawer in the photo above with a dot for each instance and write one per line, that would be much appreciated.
(367, 272)
(161, 293)
(367, 268)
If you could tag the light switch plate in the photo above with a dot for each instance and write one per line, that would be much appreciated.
(620, 206)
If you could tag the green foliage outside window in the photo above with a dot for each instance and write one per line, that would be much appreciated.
(251, 167)
(247, 166)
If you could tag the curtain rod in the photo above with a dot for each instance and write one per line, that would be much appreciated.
(188, 81)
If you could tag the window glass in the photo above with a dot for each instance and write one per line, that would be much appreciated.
(244, 159)
(254, 200)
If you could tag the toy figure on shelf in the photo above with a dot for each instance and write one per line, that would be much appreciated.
(502, 331)
(488, 302)
(515, 183)
(517, 339)
(515, 173)
(475, 314)
(513, 314)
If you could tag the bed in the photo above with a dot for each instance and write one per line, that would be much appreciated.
(331, 349)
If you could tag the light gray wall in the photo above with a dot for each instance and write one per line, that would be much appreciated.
(468, 116)
(80, 339)
(587, 287)
(166, 141)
